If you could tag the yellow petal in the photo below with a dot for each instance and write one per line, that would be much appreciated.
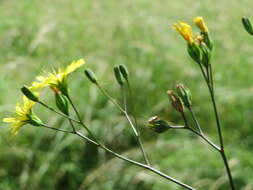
(184, 30)
(73, 66)
(200, 23)
(9, 120)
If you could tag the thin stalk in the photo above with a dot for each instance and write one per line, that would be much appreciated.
(210, 86)
(144, 166)
(211, 76)
(72, 125)
(124, 111)
(80, 119)
(57, 112)
(56, 129)
(137, 135)
(205, 139)
(197, 133)
(223, 155)
(195, 120)
(109, 97)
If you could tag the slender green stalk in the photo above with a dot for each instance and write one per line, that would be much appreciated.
(201, 135)
(210, 85)
(137, 134)
(59, 113)
(80, 119)
(72, 125)
(56, 129)
(144, 166)
(195, 120)
(124, 111)
(109, 97)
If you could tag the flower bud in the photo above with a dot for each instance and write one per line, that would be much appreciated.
(176, 101)
(185, 94)
(158, 125)
(208, 41)
(247, 25)
(200, 23)
(61, 87)
(117, 75)
(62, 103)
(90, 75)
(34, 120)
(123, 71)
(206, 55)
(195, 52)
(29, 94)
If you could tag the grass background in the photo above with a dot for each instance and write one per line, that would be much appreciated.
(37, 36)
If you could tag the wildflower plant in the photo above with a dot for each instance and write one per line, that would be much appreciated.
(199, 48)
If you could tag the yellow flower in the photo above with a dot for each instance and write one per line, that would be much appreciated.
(185, 30)
(57, 80)
(199, 21)
(22, 115)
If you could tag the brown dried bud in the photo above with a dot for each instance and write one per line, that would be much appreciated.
(176, 101)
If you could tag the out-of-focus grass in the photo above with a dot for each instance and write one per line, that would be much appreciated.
(39, 35)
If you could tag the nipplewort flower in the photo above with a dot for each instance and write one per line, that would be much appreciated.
(57, 80)
(23, 116)
(200, 23)
(185, 30)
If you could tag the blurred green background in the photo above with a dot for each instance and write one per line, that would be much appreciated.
(37, 36)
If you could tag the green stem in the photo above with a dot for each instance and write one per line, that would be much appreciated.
(210, 86)
(195, 120)
(201, 135)
(80, 119)
(56, 129)
(109, 97)
(144, 166)
(124, 111)
(57, 112)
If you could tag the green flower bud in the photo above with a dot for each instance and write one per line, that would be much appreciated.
(207, 40)
(247, 25)
(90, 75)
(158, 125)
(61, 87)
(117, 75)
(62, 103)
(123, 71)
(29, 94)
(176, 101)
(206, 55)
(185, 94)
(195, 52)
(34, 120)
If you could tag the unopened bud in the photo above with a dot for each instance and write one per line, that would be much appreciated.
(208, 41)
(158, 125)
(247, 25)
(29, 94)
(195, 52)
(90, 75)
(62, 103)
(117, 75)
(176, 101)
(185, 94)
(123, 71)
(206, 55)
(34, 120)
